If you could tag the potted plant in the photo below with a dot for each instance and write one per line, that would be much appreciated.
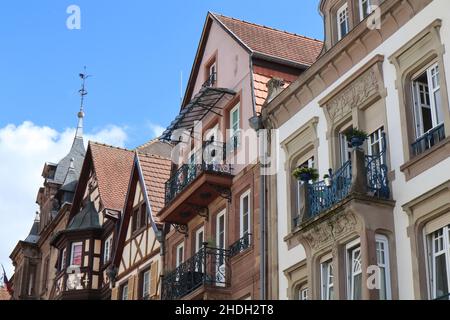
(327, 180)
(305, 174)
(356, 137)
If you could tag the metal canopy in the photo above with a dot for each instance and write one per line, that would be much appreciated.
(204, 101)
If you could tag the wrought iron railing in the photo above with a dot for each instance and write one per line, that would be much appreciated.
(209, 266)
(211, 81)
(376, 170)
(210, 158)
(241, 245)
(428, 140)
(323, 195)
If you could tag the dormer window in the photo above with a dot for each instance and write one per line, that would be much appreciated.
(342, 21)
(212, 73)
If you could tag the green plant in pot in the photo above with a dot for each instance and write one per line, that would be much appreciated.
(305, 174)
(356, 137)
(327, 180)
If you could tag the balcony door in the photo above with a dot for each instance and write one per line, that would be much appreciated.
(344, 147)
(220, 244)
(199, 239)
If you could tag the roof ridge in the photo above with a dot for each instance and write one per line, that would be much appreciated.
(269, 28)
(152, 155)
(109, 146)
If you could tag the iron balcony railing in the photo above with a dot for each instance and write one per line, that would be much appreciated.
(211, 81)
(322, 195)
(209, 266)
(241, 245)
(211, 158)
(428, 140)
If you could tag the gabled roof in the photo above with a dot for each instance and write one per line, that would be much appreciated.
(263, 42)
(272, 42)
(112, 167)
(154, 172)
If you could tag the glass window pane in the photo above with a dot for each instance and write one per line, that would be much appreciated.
(441, 276)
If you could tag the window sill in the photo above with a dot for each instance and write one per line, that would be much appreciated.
(426, 160)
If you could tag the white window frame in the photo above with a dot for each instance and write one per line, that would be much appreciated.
(198, 243)
(310, 164)
(342, 10)
(124, 291)
(177, 259)
(380, 238)
(241, 213)
(325, 284)
(232, 130)
(350, 249)
(107, 249)
(344, 149)
(146, 287)
(375, 138)
(370, 7)
(417, 106)
(218, 231)
(432, 258)
(72, 246)
(303, 292)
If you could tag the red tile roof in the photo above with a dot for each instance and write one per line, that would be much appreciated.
(112, 167)
(155, 171)
(272, 42)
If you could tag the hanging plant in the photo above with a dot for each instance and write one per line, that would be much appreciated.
(305, 174)
(356, 137)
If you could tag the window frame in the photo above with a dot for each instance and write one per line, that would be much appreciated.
(72, 246)
(419, 129)
(247, 194)
(234, 132)
(199, 245)
(327, 289)
(350, 248)
(122, 290)
(363, 15)
(63, 257)
(107, 249)
(178, 260)
(143, 287)
(343, 8)
(431, 263)
(381, 238)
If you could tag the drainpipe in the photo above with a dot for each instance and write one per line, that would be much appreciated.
(256, 124)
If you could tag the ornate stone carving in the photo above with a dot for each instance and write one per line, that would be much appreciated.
(354, 95)
(326, 232)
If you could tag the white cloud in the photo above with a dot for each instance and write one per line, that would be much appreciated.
(157, 130)
(23, 151)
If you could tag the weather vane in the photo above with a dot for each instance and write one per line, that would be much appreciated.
(83, 91)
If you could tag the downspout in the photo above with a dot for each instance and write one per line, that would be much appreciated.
(256, 124)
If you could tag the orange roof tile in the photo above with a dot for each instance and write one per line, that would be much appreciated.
(273, 42)
(155, 171)
(112, 167)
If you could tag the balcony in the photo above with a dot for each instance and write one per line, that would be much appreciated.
(428, 140)
(363, 175)
(241, 245)
(195, 185)
(208, 269)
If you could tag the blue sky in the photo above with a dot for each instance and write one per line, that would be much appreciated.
(134, 49)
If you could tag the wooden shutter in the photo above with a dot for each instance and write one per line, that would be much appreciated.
(131, 288)
(154, 279)
(115, 293)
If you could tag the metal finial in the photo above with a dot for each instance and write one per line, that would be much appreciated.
(82, 92)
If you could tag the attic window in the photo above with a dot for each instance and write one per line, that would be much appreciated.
(211, 73)
(342, 21)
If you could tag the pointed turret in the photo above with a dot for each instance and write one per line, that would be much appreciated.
(33, 235)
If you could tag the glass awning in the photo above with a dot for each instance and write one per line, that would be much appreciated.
(204, 102)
